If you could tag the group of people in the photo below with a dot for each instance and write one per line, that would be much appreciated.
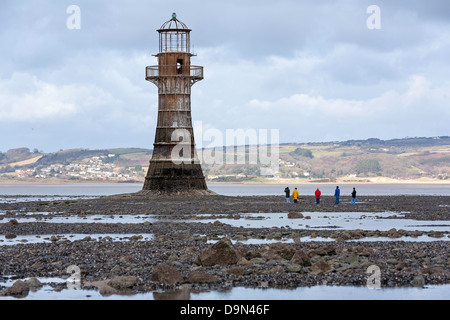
(317, 194)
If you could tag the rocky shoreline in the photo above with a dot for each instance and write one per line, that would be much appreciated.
(200, 256)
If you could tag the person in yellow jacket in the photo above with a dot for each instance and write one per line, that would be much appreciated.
(295, 195)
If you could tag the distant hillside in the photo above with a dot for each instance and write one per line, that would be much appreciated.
(410, 158)
(404, 159)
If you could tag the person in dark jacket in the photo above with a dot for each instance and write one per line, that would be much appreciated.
(318, 194)
(288, 194)
(337, 193)
(354, 196)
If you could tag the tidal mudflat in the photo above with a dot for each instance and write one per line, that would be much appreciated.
(218, 243)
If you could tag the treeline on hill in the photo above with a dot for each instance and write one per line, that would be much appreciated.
(11, 160)
(405, 142)
(66, 157)
(16, 155)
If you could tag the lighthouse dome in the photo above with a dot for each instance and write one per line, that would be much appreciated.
(173, 24)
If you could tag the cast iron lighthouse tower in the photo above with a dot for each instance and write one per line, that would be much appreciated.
(171, 169)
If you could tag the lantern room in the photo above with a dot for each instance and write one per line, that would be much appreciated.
(174, 36)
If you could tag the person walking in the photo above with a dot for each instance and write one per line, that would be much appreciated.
(318, 194)
(354, 196)
(288, 194)
(337, 193)
(295, 195)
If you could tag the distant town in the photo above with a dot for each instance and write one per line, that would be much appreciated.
(426, 159)
(94, 168)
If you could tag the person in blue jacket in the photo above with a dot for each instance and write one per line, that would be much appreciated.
(337, 193)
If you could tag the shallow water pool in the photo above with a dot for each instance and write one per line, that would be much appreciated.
(441, 292)
(32, 239)
(382, 221)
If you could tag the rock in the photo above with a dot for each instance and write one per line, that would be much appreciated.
(352, 258)
(222, 253)
(19, 289)
(354, 265)
(363, 251)
(172, 258)
(301, 257)
(124, 282)
(432, 270)
(10, 236)
(239, 237)
(357, 234)
(320, 267)
(202, 277)
(116, 269)
(317, 252)
(436, 234)
(418, 281)
(103, 287)
(165, 273)
(127, 259)
(13, 222)
(37, 266)
(344, 236)
(400, 266)
(392, 261)
(393, 233)
(257, 261)
(33, 283)
(330, 250)
(275, 269)
(420, 254)
(282, 250)
(293, 267)
(341, 236)
(136, 238)
(238, 271)
(295, 215)
(244, 262)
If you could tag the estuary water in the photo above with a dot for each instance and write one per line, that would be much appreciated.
(105, 189)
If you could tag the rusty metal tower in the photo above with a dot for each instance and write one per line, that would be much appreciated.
(174, 76)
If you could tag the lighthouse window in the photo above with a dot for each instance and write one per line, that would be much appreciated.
(180, 66)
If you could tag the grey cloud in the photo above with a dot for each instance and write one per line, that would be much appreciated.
(264, 50)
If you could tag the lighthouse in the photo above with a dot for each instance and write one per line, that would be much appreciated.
(174, 166)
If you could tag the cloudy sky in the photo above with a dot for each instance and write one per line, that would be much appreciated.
(312, 69)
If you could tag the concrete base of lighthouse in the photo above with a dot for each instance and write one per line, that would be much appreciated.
(167, 177)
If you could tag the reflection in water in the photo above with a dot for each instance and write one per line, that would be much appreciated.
(46, 217)
(180, 294)
(441, 292)
(32, 239)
